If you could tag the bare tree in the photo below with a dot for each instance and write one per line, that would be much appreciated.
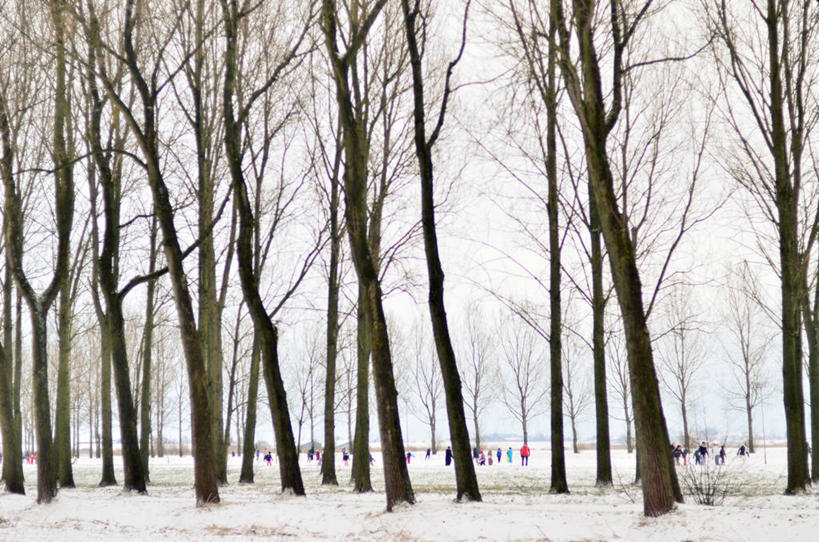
(478, 372)
(145, 65)
(398, 486)
(523, 373)
(426, 374)
(597, 116)
(681, 353)
(769, 157)
(577, 392)
(621, 383)
(748, 364)
(38, 305)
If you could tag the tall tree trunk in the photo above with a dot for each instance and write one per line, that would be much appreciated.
(660, 486)
(147, 357)
(133, 472)
(559, 483)
(18, 365)
(62, 422)
(266, 330)
(12, 451)
(12, 447)
(210, 314)
(108, 478)
(246, 476)
(790, 262)
(601, 404)
(328, 465)
(361, 445)
(465, 478)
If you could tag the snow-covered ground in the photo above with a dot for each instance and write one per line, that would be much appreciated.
(516, 506)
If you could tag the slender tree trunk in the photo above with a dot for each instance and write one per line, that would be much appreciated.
(465, 478)
(18, 365)
(133, 474)
(660, 486)
(601, 405)
(12, 451)
(361, 445)
(12, 448)
(328, 464)
(812, 340)
(266, 330)
(62, 423)
(147, 358)
(559, 483)
(629, 437)
(246, 476)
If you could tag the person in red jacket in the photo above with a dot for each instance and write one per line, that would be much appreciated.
(524, 456)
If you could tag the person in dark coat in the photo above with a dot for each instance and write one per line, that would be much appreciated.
(448, 456)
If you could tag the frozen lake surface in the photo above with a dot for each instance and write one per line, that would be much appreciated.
(517, 506)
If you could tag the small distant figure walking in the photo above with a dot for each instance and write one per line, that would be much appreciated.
(427, 456)
(345, 457)
(448, 456)
(677, 453)
(524, 456)
(510, 453)
(700, 454)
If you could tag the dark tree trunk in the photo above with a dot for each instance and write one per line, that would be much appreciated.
(328, 465)
(601, 404)
(249, 449)
(9, 420)
(361, 445)
(210, 314)
(559, 483)
(660, 486)
(12, 450)
(147, 358)
(266, 331)
(107, 273)
(108, 478)
(133, 472)
(465, 478)
(18, 365)
(62, 422)
(790, 261)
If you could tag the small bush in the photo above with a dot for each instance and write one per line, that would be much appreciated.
(708, 484)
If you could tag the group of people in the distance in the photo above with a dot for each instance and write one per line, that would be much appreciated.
(482, 457)
(701, 453)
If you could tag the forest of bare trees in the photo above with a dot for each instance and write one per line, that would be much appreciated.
(234, 224)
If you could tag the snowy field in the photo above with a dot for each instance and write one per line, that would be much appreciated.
(516, 506)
